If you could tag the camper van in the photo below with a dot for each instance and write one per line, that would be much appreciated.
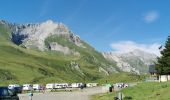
(27, 87)
(76, 85)
(92, 84)
(36, 86)
(50, 86)
(60, 85)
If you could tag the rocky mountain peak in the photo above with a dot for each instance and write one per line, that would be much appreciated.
(34, 35)
(135, 61)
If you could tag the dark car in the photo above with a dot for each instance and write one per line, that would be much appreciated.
(16, 89)
(7, 94)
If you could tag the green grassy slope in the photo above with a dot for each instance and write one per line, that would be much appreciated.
(121, 77)
(20, 65)
(143, 91)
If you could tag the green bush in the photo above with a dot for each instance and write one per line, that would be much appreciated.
(127, 98)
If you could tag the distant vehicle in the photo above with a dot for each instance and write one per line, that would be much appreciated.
(50, 86)
(126, 85)
(11, 86)
(37, 87)
(7, 94)
(27, 87)
(61, 85)
(76, 85)
(17, 89)
(121, 85)
(92, 84)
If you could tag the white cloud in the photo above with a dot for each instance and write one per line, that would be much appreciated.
(151, 16)
(128, 46)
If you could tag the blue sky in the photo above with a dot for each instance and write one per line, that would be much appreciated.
(108, 25)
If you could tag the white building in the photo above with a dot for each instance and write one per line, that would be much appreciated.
(164, 78)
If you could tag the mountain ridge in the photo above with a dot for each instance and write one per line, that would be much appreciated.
(136, 61)
(48, 57)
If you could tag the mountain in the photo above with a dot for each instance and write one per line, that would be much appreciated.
(136, 61)
(48, 52)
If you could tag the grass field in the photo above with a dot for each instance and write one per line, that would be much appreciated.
(142, 91)
(121, 77)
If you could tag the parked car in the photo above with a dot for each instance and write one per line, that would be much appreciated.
(120, 85)
(17, 89)
(11, 86)
(7, 94)
(27, 87)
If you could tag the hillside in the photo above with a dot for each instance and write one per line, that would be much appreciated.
(142, 91)
(48, 52)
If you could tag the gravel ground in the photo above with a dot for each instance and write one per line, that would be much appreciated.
(76, 95)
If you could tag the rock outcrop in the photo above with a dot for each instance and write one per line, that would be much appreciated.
(136, 61)
(34, 35)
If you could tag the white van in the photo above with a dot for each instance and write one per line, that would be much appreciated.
(27, 87)
(50, 86)
(36, 86)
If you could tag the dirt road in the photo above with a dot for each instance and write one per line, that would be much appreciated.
(76, 95)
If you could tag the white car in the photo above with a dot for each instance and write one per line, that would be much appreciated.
(11, 86)
(27, 87)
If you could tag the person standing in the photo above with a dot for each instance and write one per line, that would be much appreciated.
(30, 95)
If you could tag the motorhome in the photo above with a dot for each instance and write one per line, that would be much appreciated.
(27, 87)
(76, 85)
(50, 86)
(37, 86)
(92, 84)
(60, 85)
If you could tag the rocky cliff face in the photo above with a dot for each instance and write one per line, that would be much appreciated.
(34, 35)
(136, 61)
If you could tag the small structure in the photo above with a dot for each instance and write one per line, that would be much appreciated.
(152, 70)
(164, 78)
(154, 75)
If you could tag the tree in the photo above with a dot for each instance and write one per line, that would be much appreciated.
(163, 64)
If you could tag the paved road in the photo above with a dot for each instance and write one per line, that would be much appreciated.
(76, 95)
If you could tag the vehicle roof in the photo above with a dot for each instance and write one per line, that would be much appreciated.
(3, 87)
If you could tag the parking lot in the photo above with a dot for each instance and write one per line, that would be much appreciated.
(75, 95)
